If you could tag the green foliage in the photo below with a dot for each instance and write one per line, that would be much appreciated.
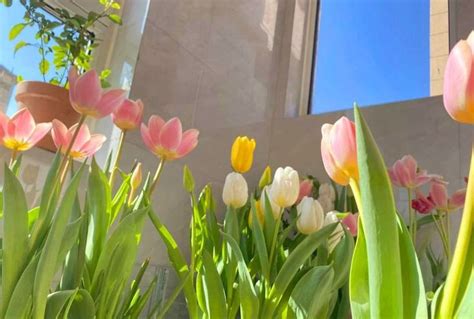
(64, 40)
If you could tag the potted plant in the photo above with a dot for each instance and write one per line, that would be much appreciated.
(63, 41)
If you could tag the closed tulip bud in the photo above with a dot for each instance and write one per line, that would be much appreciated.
(128, 115)
(235, 192)
(266, 178)
(276, 210)
(136, 176)
(259, 212)
(339, 151)
(310, 216)
(458, 86)
(285, 187)
(242, 154)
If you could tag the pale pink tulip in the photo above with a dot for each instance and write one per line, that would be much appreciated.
(339, 151)
(458, 90)
(439, 197)
(85, 144)
(20, 132)
(405, 173)
(88, 98)
(350, 221)
(166, 139)
(306, 188)
(128, 115)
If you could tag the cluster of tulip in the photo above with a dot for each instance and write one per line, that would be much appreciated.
(276, 246)
(394, 287)
(90, 245)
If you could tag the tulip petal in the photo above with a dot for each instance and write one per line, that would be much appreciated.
(457, 199)
(330, 165)
(343, 145)
(188, 142)
(72, 79)
(82, 138)
(39, 132)
(147, 138)
(155, 124)
(93, 145)
(109, 101)
(87, 90)
(59, 134)
(23, 125)
(439, 195)
(171, 134)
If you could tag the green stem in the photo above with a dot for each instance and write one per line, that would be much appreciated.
(441, 234)
(412, 216)
(154, 183)
(448, 236)
(458, 264)
(117, 158)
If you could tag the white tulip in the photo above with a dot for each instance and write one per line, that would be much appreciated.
(235, 192)
(327, 190)
(310, 216)
(337, 233)
(285, 187)
(276, 210)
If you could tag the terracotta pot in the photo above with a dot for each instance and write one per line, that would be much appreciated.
(46, 102)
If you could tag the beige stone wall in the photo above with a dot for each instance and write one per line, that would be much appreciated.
(439, 44)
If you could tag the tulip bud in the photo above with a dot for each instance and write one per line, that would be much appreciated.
(137, 176)
(275, 209)
(458, 86)
(235, 192)
(259, 212)
(285, 187)
(266, 178)
(339, 151)
(188, 179)
(310, 216)
(242, 154)
(350, 221)
(306, 188)
(327, 190)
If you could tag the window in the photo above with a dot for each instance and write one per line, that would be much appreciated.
(378, 51)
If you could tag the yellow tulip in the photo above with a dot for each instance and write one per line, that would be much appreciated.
(260, 214)
(242, 154)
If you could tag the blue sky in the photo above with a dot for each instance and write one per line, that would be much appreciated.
(371, 52)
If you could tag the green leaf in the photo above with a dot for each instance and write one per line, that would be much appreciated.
(57, 301)
(22, 298)
(378, 214)
(115, 5)
(259, 240)
(359, 277)
(341, 259)
(15, 235)
(414, 300)
(311, 294)
(15, 31)
(115, 18)
(216, 304)
(291, 266)
(44, 66)
(249, 303)
(19, 45)
(49, 254)
(98, 205)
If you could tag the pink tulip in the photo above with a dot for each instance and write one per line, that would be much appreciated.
(439, 197)
(20, 132)
(422, 204)
(85, 144)
(167, 140)
(405, 173)
(306, 188)
(458, 90)
(350, 221)
(339, 151)
(88, 98)
(128, 115)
